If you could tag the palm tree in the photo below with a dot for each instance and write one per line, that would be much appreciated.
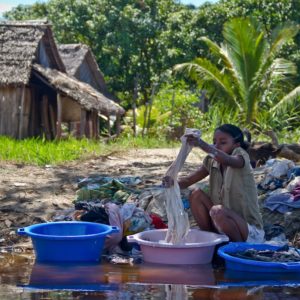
(244, 72)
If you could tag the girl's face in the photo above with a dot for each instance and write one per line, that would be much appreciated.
(224, 142)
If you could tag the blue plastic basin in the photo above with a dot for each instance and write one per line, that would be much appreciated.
(68, 241)
(240, 264)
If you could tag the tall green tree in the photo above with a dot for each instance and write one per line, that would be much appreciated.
(244, 71)
(129, 38)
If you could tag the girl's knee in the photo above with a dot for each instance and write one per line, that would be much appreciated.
(196, 195)
(217, 213)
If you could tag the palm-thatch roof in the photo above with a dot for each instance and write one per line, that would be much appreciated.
(74, 56)
(83, 93)
(20, 42)
(28, 47)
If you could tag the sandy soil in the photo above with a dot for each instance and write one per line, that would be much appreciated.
(31, 194)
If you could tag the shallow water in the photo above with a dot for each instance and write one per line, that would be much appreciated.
(23, 278)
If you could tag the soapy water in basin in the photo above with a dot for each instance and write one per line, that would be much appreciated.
(194, 238)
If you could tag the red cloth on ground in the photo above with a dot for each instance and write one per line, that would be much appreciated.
(157, 222)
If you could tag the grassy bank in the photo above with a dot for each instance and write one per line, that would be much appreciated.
(41, 152)
(38, 151)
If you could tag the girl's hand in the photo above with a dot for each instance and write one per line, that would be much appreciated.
(198, 142)
(167, 182)
(192, 140)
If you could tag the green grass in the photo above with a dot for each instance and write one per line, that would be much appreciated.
(38, 151)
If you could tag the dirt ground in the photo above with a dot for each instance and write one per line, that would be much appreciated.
(32, 194)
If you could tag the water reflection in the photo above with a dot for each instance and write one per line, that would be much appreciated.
(239, 278)
(84, 277)
(23, 278)
(101, 277)
(162, 274)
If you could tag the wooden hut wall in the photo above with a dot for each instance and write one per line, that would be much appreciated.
(79, 121)
(15, 108)
(71, 110)
(25, 109)
(9, 110)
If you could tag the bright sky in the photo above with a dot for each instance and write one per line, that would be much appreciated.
(8, 4)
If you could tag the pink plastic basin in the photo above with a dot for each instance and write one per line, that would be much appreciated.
(197, 248)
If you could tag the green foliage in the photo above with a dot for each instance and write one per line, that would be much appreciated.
(174, 106)
(142, 39)
(130, 39)
(178, 104)
(247, 71)
(217, 115)
(35, 11)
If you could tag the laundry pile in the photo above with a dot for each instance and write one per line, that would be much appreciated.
(134, 206)
(114, 201)
(282, 254)
(279, 195)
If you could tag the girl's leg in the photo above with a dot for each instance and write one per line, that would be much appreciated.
(200, 205)
(229, 223)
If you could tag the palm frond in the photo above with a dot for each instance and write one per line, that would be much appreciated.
(281, 34)
(291, 97)
(202, 70)
(281, 67)
(219, 52)
(246, 47)
(222, 54)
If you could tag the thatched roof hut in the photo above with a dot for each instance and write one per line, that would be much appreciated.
(80, 62)
(87, 96)
(23, 43)
(36, 92)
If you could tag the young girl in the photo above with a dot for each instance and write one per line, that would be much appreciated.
(231, 206)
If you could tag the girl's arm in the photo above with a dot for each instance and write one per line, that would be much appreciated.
(196, 176)
(236, 161)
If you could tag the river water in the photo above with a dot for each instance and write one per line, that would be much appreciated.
(23, 278)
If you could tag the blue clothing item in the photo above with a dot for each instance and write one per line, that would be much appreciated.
(292, 173)
(281, 202)
(186, 203)
(272, 184)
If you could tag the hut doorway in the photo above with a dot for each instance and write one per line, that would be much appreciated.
(43, 110)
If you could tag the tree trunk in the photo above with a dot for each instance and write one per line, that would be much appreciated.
(135, 95)
(172, 108)
(150, 105)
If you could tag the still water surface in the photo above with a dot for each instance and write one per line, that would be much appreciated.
(23, 278)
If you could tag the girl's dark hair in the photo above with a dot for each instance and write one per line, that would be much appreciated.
(236, 133)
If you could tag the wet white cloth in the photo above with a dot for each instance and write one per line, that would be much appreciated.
(178, 222)
(255, 235)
